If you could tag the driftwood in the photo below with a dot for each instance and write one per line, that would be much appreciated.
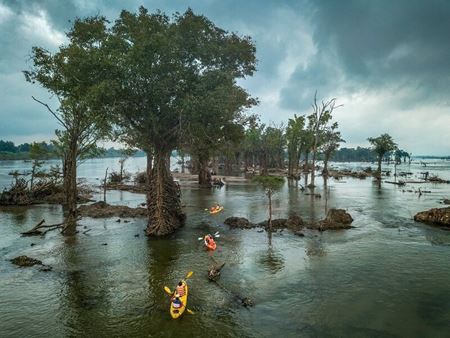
(214, 272)
(38, 228)
(399, 183)
(213, 275)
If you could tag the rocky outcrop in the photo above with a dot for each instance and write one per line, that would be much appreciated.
(336, 219)
(25, 261)
(239, 222)
(294, 222)
(436, 216)
(105, 210)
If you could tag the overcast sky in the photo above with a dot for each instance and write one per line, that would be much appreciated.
(387, 61)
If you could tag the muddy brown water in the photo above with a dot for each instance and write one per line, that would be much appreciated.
(388, 277)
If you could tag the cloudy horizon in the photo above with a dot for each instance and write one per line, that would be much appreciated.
(387, 62)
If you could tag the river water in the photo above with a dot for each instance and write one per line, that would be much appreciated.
(389, 276)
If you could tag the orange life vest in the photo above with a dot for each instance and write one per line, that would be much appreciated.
(180, 290)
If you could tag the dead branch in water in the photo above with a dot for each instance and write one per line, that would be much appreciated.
(37, 229)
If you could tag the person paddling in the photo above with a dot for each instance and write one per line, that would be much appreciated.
(180, 289)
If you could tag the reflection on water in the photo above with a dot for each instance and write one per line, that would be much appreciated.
(387, 277)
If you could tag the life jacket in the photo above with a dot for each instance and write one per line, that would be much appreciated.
(180, 290)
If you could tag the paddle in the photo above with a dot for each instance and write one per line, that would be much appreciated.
(216, 235)
(166, 288)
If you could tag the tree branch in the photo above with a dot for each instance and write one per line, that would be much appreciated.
(52, 112)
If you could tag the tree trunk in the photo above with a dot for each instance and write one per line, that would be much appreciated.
(149, 172)
(204, 178)
(325, 165)
(306, 161)
(263, 164)
(164, 205)
(290, 171)
(313, 171)
(228, 166)
(70, 179)
(182, 164)
(269, 194)
(379, 167)
(121, 170)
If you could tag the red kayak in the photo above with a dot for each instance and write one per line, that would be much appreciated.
(210, 243)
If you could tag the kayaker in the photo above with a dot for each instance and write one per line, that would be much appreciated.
(177, 302)
(209, 241)
(180, 289)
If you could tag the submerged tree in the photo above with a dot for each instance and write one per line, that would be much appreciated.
(271, 184)
(294, 133)
(159, 64)
(331, 140)
(322, 114)
(77, 76)
(382, 145)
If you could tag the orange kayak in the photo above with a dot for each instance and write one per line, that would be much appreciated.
(210, 246)
(216, 210)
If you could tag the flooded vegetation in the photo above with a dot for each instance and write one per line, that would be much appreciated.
(386, 276)
(231, 223)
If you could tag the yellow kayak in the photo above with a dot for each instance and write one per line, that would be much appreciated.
(177, 312)
(216, 211)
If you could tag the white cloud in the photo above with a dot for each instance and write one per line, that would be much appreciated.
(37, 26)
(5, 13)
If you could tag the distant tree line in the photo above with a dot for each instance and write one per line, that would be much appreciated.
(9, 151)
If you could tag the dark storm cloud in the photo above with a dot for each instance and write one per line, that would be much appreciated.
(377, 45)
(386, 60)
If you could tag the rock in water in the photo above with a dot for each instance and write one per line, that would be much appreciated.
(294, 222)
(339, 216)
(336, 219)
(239, 222)
(25, 261)
(436, 216)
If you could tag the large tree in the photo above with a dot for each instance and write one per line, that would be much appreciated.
(215, 119)
(382, 145)
(160, 61)
(78, 75)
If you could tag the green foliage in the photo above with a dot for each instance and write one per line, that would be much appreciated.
(273, 143)
(39, 151)
(177, 79)
(78, 74)
(358, 154)
(330, 140)
(382, 144)
(269, 183)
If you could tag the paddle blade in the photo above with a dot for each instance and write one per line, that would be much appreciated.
(217, 236)
(189, 274)
(190, 311)
(200, 238)
(166, 288)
